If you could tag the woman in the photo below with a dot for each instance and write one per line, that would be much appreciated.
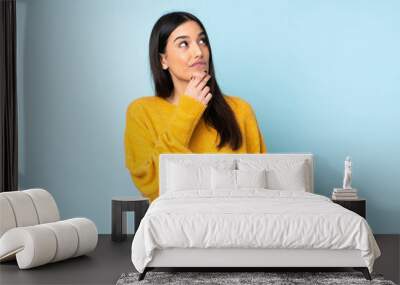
(189, 113)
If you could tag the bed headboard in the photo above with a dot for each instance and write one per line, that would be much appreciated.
(197, 158)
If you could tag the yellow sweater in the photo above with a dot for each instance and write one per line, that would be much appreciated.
(154, 126)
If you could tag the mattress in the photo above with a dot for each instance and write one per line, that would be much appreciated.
(250, 219)
(255, 257)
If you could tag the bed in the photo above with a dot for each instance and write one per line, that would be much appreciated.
(247, 210)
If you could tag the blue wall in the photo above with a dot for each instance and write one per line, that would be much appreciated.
(322, 77)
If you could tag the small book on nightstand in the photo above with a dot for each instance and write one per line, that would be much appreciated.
(344, 194)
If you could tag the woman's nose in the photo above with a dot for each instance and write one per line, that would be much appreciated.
(197, 52)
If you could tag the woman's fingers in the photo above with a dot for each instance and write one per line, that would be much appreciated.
(198, 77)
(207, 99)
(197, 87)
(204, 92)
(203, 82)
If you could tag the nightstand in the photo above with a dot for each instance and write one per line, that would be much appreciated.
(358, 206)
(121, 205)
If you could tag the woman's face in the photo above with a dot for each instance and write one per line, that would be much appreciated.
(186, 51)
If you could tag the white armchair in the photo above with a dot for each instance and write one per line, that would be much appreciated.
(32, 233)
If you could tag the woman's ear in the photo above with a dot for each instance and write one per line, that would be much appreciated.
(163, 60)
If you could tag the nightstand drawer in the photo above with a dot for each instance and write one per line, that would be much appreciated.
(357, 206)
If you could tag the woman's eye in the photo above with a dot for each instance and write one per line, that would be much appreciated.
(203, 41)
(183, 44)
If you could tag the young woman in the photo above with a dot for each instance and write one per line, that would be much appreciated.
(189, 113)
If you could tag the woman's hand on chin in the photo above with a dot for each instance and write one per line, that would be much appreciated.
(197, 87)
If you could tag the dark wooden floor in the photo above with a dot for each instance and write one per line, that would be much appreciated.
(110, 260)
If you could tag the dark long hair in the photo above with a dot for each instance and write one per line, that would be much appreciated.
(218, 113)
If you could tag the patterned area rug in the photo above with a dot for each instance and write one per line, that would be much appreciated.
(225, 278)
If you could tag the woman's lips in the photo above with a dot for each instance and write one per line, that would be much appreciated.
(197, 65)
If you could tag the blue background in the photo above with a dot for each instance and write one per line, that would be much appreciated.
(322, 76)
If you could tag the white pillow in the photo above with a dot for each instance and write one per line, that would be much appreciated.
(288, 179)
(282, 174)
(251, 178)
(187, 175)
(223, 179)
(236, 179)
(188, 178)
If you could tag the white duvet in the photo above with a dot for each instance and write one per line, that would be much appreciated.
(251, 218)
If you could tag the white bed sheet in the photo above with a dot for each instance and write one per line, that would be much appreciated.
(250, 218)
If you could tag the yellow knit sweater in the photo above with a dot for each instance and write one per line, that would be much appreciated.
(154, 126)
